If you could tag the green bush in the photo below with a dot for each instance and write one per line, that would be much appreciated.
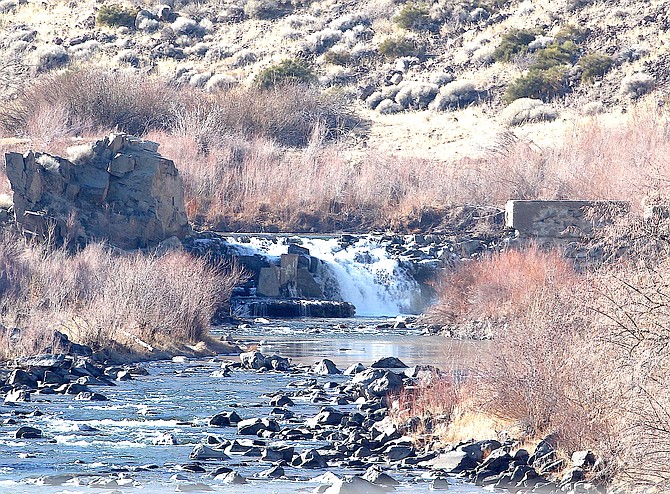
(398, 47)
(289, 71)
(513, 43)
(538, 84)
(337, 57)
(115, 15)
(594, 66)
(572, 33)
(415, 17)
(554, 55)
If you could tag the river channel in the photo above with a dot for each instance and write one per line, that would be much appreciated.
(112, 446)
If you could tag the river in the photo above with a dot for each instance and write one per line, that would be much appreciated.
(111, 443)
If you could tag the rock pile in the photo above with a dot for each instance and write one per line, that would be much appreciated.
(118, 189)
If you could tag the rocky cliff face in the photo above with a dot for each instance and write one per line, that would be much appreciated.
(118, 189)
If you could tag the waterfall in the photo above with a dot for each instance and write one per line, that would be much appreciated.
(365, 273)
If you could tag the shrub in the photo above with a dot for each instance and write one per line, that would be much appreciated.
(116, 15)
(93, 99)
(416, 95)
(49, 57)
(554, 55)
(455, 94)
(262, 9)
(289, 71)
(595, 66)
(637, 84)
(572, 33)
(525, 110)
(415, 17)
(337, 57)
(538, 84)
(392, 48)
(500, 286)
(514, 42)
(104, 299)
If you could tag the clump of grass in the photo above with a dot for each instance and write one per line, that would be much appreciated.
(289, 71)
(570, 32)
(337, 57)
(414, 17)
(116, 15)
(392, 48)
(514, 42)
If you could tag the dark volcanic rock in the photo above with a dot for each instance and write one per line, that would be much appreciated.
(26, 432)
(120, 190)
(272, 473)
(325, 367)
(388, 363)
(309, 459)
(89, 396)
(254, 426)
(225, 419)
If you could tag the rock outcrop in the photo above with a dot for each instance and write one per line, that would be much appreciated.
(118, 189)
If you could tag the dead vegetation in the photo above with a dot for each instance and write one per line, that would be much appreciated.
(104, 299)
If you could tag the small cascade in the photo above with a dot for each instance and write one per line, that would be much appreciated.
(361, 272)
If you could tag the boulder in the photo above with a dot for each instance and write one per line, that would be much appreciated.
(26, 432)
(202, 452)
(20, 377)
(17, 396)
(309, 459)
(89, 396)
(283, 453)
(354, 369)
(375, 475)
(118, 189)
(231, 478)
(272, 473)
(281, 401)
(253, 360)
(356, 485)
(327, 416)
(252, 427)
(388, 363)
(225, 419)
(389, 382)
(325, 367)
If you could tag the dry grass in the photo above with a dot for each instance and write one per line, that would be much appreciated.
(86, 100)
(266, 160)
(103, 299)
(502, 286)
(582, 358)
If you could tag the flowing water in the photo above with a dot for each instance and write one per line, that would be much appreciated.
(115, 439)
(366, 274)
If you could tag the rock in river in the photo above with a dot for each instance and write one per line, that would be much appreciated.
(26, 432)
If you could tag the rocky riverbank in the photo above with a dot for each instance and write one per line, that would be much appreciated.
(350, 445)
